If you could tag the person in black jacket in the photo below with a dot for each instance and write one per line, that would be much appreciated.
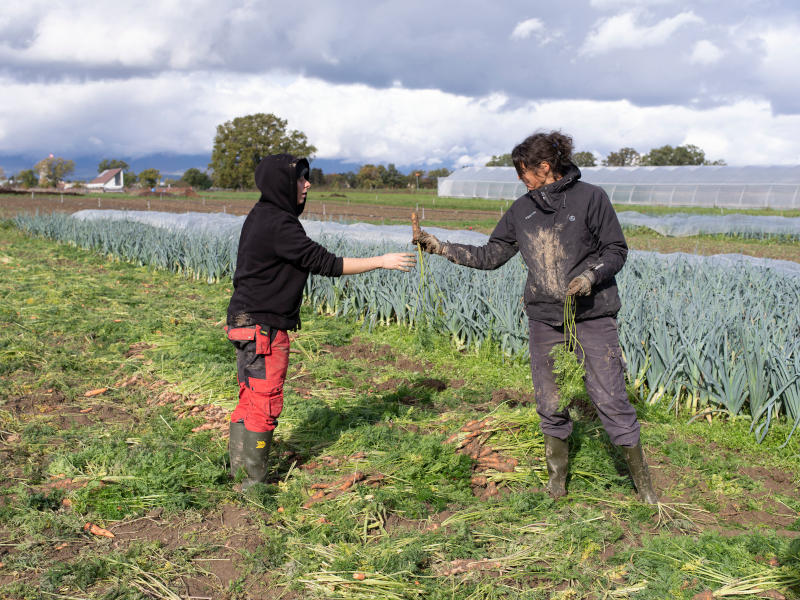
(274, 259)
(572, 243)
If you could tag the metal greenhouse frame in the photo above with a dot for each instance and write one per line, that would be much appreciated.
(776, 187)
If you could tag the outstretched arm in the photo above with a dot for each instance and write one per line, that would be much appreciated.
(495, 253)
(396, 261)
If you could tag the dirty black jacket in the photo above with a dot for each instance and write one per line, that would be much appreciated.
(275, 255)
(561, 230)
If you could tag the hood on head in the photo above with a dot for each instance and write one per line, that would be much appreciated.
(276, 178)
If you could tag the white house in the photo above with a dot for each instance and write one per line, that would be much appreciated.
(110, 180)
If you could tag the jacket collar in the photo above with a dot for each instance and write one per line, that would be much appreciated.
(548, 196)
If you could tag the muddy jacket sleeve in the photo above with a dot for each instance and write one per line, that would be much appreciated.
(305, 254)
(611, 245)
(502, 245)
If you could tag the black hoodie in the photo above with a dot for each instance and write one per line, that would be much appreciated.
(561, 230)
(275, 255)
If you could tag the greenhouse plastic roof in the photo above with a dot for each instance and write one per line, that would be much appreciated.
(776, 187)
(625, 175)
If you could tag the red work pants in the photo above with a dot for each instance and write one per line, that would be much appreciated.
(261, 363)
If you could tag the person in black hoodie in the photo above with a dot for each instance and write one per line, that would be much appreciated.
(572, 243)
(274, 259)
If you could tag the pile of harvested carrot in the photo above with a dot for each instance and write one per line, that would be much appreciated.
(471, 440)
(328, 491)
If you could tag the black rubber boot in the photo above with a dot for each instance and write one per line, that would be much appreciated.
(256, 454)
(236, 446)
(556, 453)
(634, 456)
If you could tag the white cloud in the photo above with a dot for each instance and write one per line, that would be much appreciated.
(623, 31)
(526, 28)
(178, 112)
(705, 53)
(616, 4)
(780, 46)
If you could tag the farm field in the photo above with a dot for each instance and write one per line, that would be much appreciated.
(115, 384)
(394, 207)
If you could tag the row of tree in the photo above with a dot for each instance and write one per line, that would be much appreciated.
(628, 157)
(52, 170)
(241, 143)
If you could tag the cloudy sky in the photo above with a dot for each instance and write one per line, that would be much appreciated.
(411, 82)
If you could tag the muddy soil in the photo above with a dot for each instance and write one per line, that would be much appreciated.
(317, 207)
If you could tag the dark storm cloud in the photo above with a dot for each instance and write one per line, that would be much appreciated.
(457, 47)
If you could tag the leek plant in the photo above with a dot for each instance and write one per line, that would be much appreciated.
(707, 339)
(569, 370)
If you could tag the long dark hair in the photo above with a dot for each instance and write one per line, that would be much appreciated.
(554, 148)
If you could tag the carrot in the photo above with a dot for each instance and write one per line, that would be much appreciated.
(415, 229)
(477, 425)
(359, 576)
(486, 451)
(479, 480)
(320, 486)
(452, 438)
(470, 425)
(98, 531)
(96, 392)
(350, 481)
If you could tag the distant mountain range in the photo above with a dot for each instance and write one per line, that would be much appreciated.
(170, 165)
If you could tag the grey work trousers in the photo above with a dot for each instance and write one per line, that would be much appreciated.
(605, 379)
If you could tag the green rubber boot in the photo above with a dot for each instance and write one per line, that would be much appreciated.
(256, 454)
(634, 456)
(236, 446)
(556, 453)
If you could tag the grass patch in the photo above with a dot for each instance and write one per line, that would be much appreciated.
(376, 402)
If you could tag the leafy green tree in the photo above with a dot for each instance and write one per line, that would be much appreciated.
(584, 159)
(150, 177)
(316, 176)
(197, 179)
(370, 176)
(53, 169)
(392, 178)
(431, 178)
(679, 155)
(241, 144)
(27, 178)
(503, 160)
(130, 179)
(624, 157)
(112, 163)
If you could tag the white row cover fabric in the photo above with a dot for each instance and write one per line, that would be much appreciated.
(222, 223)
(776, 187)
(682, 225)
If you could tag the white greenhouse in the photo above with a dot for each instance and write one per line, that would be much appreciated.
(776, 187)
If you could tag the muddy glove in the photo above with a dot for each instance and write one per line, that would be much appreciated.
(429, 242)
(582, 284)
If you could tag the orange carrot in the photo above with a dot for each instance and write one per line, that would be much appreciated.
(359, 576)
(98, 531)
(415, 229)
(95, 392)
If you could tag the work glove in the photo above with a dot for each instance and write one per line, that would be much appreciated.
(582, 284)
(429, 242)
